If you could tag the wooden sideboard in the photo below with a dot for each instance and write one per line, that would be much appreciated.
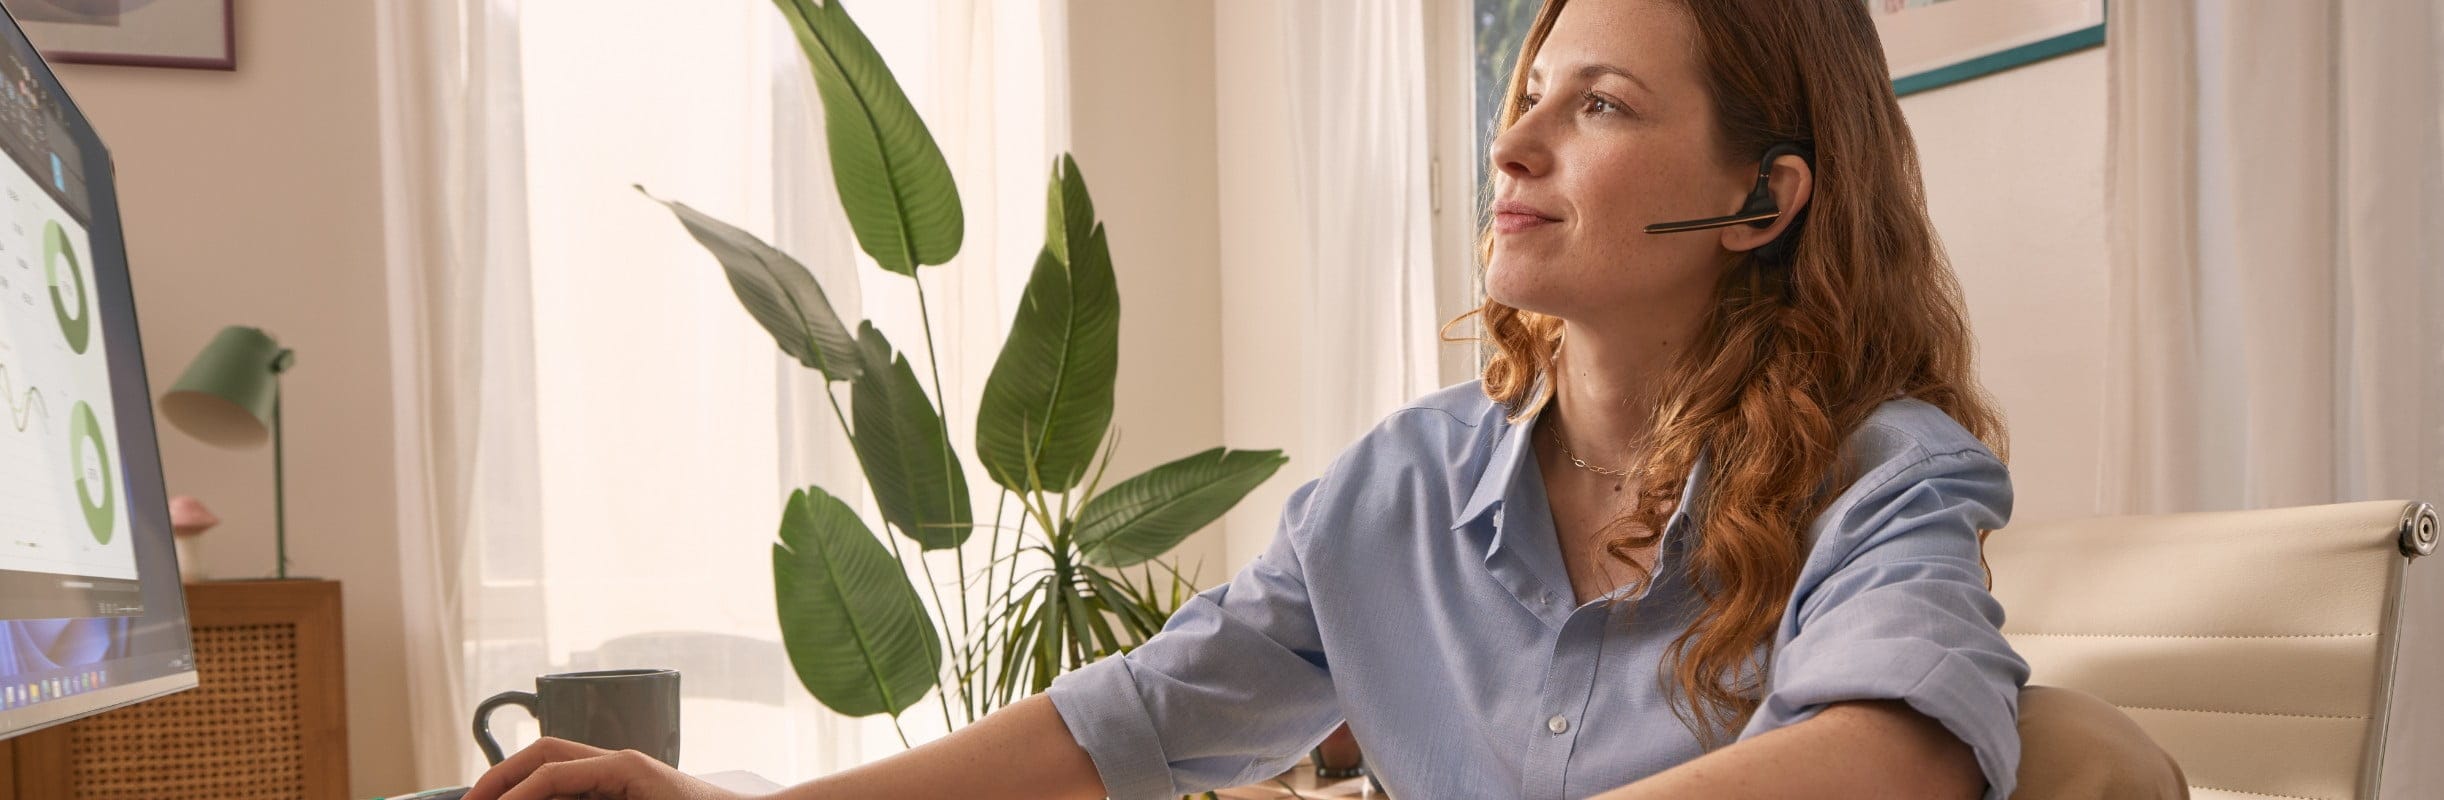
(268, 718)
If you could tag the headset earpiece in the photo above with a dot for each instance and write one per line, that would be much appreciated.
(1759, 210)
(1779, 250)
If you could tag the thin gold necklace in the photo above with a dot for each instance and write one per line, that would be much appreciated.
(1564, 444)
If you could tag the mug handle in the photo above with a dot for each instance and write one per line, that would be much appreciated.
(483, 720)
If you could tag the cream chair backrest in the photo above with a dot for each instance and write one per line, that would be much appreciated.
(2256, 646)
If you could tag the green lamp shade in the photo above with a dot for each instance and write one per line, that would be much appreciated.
(231, 392)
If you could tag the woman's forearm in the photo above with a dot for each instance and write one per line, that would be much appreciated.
(1022, 751)
(1871, 749)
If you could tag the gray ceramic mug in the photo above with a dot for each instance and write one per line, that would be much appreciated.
(619, 709)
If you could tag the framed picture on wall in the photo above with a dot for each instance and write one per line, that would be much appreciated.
(193, 34)
(1931, 43)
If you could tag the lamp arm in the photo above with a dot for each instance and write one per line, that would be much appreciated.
(280, 500)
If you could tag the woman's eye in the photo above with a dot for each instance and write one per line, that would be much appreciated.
(1597, 104)
(1524, 102)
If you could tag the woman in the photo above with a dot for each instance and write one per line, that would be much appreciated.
(1749, 462)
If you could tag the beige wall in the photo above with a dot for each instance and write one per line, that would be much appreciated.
(253, 197)
(2015, 177)
(1141, 91)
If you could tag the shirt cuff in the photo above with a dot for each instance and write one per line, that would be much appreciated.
(1944, 685)
(1099, 704)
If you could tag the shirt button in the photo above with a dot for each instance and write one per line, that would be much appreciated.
(1558, 724)
(1545, 600)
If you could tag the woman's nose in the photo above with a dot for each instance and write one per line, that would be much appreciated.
(1520, 151)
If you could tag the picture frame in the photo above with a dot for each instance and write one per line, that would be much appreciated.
(186, 34)
(1936, 43)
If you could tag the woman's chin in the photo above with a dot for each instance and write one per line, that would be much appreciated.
(1525, 292)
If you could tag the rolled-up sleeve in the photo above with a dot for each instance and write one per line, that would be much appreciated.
(1892, 605)
(1233, 690)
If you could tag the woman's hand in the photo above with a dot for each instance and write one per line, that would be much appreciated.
(557, 768)
(1021, 752)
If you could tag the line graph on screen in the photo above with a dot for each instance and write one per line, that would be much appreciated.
(25, 407)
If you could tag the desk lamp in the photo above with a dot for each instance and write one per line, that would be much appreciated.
(230, 397)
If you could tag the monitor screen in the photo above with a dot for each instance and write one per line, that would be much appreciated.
(91, 613)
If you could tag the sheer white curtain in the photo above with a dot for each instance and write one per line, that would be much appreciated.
(2280, 193)
(603, 438)
(461, 331)
(1356, 101)
(1328, 272)
(2277, 175)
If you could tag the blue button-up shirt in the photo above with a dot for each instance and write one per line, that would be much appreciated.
(1416, 589)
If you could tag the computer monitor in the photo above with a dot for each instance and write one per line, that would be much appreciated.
(91, 613)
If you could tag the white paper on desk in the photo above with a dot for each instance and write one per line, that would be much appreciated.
(740, 781)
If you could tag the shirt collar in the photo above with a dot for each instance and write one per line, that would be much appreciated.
(1513, 447)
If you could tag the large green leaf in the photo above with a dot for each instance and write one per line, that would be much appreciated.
(854, 628)
(1050, 393)
(1069, 212)
(1147, 515)
(778, 291)
(915, 476)
(892, 179)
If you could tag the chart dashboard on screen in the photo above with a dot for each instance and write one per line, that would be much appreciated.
(55, 371)
(61, 502)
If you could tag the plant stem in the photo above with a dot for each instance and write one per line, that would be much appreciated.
(1043, 517)
(992, 551)
(941, 420)
(967, 628)
(1018, 547)
(933, 364)
(935, 587)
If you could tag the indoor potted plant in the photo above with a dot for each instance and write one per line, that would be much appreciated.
(1078, 574)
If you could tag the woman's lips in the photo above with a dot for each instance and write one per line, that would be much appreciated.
(1515, 215)
(1508, 222)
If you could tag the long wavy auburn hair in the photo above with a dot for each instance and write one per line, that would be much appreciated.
(1794, 355)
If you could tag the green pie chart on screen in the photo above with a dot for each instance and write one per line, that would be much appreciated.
(93, 486)
(77, 323)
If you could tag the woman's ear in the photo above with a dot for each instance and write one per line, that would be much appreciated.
(1792, 183)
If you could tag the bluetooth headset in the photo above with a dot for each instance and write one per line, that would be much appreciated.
(1759, 211)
